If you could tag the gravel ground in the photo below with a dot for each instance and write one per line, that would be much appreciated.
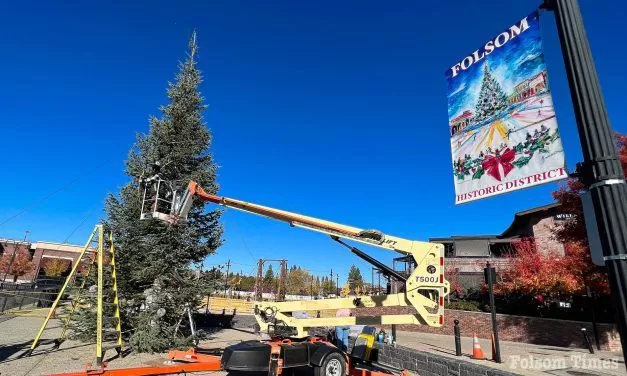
(16, 335)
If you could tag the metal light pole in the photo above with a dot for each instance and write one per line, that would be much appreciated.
(490, 274)
(226, 278)
(601, 170)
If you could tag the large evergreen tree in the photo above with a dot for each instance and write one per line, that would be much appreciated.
(492, 99)
(154, 258)
(269, 281)
(354, 277)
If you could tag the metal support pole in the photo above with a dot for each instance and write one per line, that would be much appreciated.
(394, 339)
(99, 302)
(371, 280)
(15, 249)
(591, 306)
(259, 281)
(458, 338)
(226, 278)
(586, 339)
(495, 326)
(601, 170)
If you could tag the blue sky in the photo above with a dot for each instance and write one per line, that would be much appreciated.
(335, 110)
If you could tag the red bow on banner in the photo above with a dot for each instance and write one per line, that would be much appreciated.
(493, 163)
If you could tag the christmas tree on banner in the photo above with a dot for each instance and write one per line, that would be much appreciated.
(492, 98)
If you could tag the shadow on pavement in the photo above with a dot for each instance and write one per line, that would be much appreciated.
(7, 351)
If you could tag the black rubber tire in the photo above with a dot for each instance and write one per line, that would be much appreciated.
(332, 361)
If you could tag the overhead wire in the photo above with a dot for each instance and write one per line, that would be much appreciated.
(24, 294)
(241, 238)
(51, 194)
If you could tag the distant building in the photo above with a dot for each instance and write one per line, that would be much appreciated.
(39, 252)
(460, 123)
(469, 254)
(528, 88)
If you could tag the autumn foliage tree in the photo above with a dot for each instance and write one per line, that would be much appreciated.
(55, 267)
(298, 281)
(530, 272)
(572, 232)
(21, 264)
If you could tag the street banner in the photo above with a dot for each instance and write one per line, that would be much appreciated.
(504, 135)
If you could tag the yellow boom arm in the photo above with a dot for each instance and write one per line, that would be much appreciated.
(425, 288)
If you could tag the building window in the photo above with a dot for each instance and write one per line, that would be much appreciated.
(449, 249)
(500, 249)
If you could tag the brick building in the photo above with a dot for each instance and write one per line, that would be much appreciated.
(39, 251)
(468, 254)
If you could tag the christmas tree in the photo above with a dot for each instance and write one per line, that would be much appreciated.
(154, 259)
(492, 98)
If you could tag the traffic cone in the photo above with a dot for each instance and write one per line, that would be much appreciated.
(477, 353)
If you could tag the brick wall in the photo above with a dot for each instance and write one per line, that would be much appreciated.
(427, 364)
(543, 234)
(532, 330)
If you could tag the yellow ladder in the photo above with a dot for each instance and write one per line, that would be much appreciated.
(95, 243)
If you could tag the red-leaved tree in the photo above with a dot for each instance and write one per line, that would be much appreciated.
(20, 266)
(530, 272)
(572, 232)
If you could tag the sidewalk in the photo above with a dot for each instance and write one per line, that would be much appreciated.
(17, 333)
(522, 358)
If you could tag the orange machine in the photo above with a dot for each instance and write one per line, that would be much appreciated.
(275, 357)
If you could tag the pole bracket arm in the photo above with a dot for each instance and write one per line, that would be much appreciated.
(584, 172)
(620, 257)
(547, 5)
(606, 182)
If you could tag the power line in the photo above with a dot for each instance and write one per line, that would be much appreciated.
(47, 196)
(239, 235)
(80, 224)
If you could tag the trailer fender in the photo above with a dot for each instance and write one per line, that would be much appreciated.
(320, 353)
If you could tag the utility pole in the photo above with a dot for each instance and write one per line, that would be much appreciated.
(601, 170)
(371, 280)
(282, 281)
(331, 281)
(259, 281)
(226, 279)
(337, 285)
(15, 249)
(490, 274)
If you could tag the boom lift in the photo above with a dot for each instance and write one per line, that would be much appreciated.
(425, 288)
(291, 344)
